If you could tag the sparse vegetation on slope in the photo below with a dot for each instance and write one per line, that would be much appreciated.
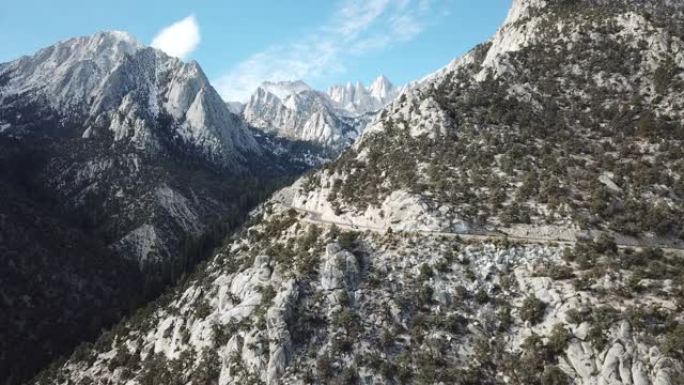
(578, 129)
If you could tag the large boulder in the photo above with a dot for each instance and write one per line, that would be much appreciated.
(340, 269)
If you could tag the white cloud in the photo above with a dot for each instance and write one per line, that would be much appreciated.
(357, 27)
(179, 39)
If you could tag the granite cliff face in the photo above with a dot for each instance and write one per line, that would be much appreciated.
(109, 85)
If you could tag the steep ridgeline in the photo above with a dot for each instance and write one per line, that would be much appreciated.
(392, 264)
(140, 160)
(333, 121)
(554, 128)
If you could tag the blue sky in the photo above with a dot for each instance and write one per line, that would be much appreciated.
(241, 43)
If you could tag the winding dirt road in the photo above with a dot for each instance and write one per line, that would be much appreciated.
(317, 218)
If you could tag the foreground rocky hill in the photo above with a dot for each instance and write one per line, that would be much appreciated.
(568, 121)
(513, 219)
(292, 302)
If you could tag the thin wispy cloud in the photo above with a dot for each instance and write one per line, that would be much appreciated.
(357, 27)
(180, 38)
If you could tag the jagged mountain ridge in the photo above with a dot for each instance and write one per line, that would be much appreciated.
(358, 99)
(401, 290)
(293, 110)
(112, 97)
(112, 85)
(333, 119)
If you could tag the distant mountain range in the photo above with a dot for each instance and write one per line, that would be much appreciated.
(334, 119)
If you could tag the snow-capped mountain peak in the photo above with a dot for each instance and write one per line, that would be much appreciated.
(357, 99)
(381, 87)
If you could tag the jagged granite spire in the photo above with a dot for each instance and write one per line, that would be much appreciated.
(110, 83)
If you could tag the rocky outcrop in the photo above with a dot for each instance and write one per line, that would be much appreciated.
(340, 269)
(625, 361)
(401, 211)
(278, 318)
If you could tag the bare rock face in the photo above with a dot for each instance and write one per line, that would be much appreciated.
(624, 361)
(580, 360)
(295, 111)
(340, 269)
(277, 318)
(399, 211)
